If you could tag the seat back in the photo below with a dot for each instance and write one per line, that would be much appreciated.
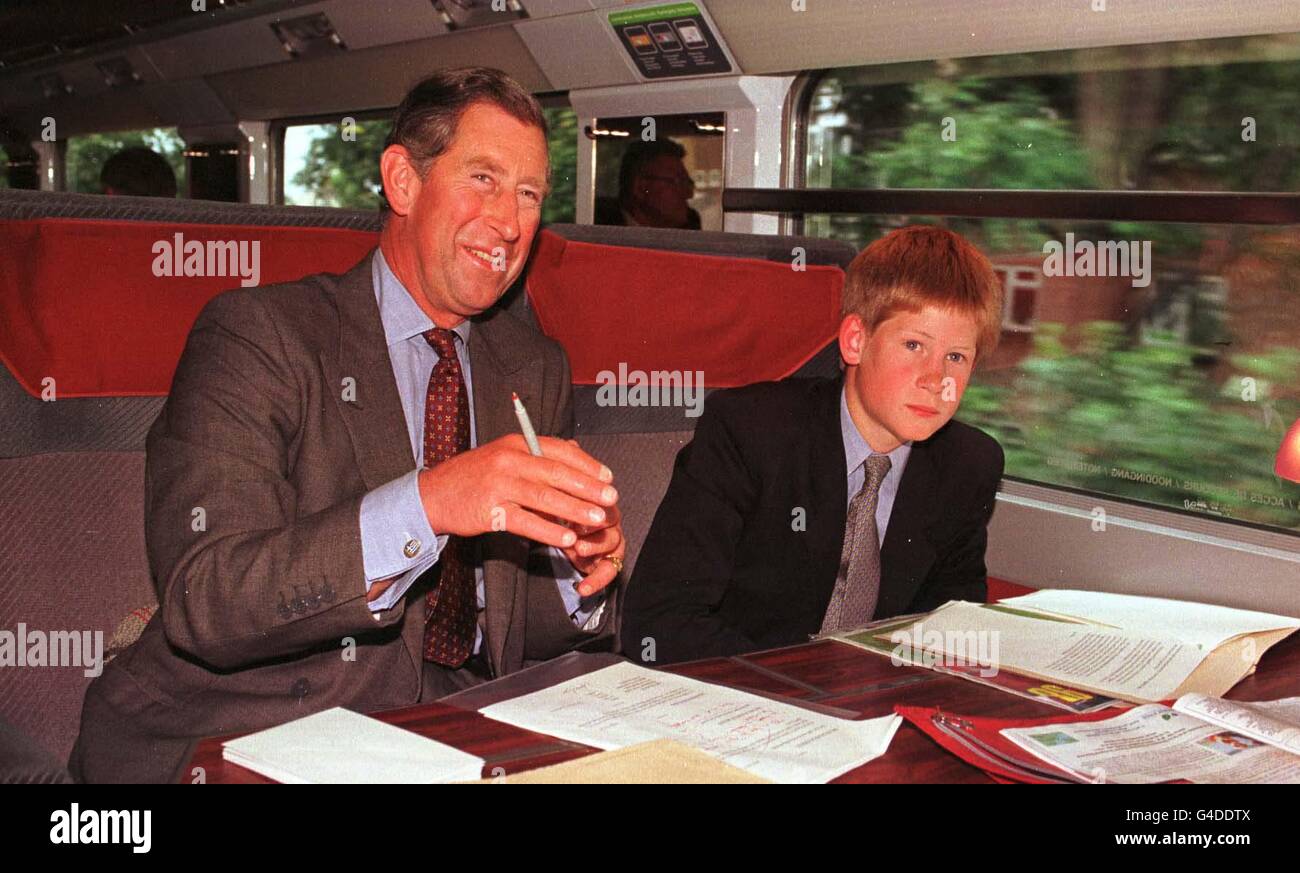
(89, 338)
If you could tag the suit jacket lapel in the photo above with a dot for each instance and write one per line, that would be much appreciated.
(829, 490)
(908, 553)
(497, 371)
(374, 419)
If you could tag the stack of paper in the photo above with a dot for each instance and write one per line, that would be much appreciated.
(339, 746)
(624, 704)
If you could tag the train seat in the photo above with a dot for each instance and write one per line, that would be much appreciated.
(89, 339)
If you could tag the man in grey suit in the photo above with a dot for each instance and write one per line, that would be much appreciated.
(339, 508)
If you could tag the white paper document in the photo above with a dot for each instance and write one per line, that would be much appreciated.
(1201, 624)
(338, 746)
(625, 704)
(1115, 662)
(1269, 721)
(1156, 744)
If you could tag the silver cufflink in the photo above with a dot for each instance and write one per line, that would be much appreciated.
(411, 549)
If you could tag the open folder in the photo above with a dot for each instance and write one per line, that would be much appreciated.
(1231, 640)
(1139, 649)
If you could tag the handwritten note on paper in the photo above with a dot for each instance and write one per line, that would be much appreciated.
(625, 704)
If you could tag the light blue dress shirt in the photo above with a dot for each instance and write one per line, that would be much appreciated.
(856, 452)
(392, 514)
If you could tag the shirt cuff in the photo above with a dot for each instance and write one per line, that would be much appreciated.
(396, 539)
(578, 608)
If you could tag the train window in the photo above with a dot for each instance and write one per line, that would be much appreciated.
(660, 171)
(338, 164)
(334, 164)
(134, 170)
(560, 204)
(1151, 361)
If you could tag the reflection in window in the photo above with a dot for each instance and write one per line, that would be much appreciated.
(135, 170)
(660, 171)
(1150, 361)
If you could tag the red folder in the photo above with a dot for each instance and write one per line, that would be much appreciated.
(978, 742)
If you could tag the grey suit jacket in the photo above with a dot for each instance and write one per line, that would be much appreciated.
(255, 471)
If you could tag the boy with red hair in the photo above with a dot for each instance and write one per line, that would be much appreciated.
(813, 506)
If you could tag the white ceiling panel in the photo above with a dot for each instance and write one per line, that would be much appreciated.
(378, 22)
(371, 78)
(576, 51)
(549, 8)
(247, 43)
(188, 103)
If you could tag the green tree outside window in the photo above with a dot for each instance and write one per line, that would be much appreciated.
(345, 172)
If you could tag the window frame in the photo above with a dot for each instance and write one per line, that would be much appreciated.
(278, 128)
(796, 200)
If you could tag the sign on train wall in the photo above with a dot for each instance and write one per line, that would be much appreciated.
(670, 40)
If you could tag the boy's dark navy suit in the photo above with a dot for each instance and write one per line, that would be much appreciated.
(743, 552)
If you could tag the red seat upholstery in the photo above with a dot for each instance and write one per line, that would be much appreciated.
(80, 301)
(736, 320)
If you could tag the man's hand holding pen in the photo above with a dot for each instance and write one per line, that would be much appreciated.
(501, 486)
(598, 553)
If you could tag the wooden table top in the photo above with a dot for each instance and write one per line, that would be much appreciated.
(824, 672)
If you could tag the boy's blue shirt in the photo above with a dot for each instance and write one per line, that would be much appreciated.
(856, 452)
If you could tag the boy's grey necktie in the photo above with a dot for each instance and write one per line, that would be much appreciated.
(857, 584)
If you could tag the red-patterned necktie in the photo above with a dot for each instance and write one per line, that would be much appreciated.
(451, 607)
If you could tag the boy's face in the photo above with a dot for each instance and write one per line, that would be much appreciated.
(905, 379)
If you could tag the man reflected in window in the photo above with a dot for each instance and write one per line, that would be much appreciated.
(654, 188)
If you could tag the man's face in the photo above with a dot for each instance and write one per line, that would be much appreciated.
(905, 379)
(460, 235)
(661, 190)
